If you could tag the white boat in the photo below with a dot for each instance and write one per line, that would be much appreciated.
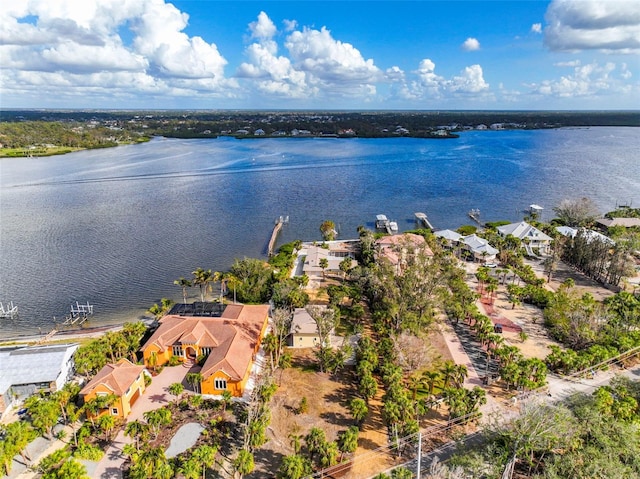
(393, 226)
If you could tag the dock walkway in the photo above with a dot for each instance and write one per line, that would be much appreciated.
(274, 234)
(423, 220)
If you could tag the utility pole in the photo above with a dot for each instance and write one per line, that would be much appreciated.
(419, 455)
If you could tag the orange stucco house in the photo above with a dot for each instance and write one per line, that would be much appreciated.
(229, 341)
(123, 379)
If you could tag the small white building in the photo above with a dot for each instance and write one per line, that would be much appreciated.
(26, 370)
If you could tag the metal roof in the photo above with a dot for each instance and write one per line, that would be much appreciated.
(32, 365)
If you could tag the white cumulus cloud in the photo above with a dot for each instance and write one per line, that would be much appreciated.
(135, 45)
(536, 28)
(585, 81)
(471, 44)
(610, 26)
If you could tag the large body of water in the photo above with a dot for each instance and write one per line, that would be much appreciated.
(116, 227)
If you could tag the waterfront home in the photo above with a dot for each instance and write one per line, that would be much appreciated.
(304, 330)
(589, 235)
(124, 380)
(449, 238)
(226, 338)
(25, 371)
(624, 222)
(334, 252)
(396, 249)
(530, 235)
(479, 248)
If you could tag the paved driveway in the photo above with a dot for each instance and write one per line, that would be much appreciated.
(155, 396)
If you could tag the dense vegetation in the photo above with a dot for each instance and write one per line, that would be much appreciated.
(38, 130)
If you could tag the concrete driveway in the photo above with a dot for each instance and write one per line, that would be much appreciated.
(154, 397)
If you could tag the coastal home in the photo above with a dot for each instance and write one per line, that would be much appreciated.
(567, 231)
(228, 336)
(124, 380)
(334, 252)
(589, 235)
(395, 249)
(304, 330)
(530, 235)
(623, 222)
(26, 370)
(449, 238)
(479, 248)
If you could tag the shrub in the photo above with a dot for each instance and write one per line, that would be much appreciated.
(88, 452)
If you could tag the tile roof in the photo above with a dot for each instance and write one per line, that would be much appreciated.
(232, 337)
(118, 377)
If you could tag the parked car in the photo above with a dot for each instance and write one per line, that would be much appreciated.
(490, 265)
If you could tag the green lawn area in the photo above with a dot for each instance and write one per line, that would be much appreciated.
(39, 151)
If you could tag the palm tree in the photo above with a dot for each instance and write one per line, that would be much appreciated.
(205, 456)
(232, 281)
(158, 418)
(243, 463)
(294, 467)
(448, 371)
(430, 378)
(359, 410)
(295, 442)
(202, 278)
(137, 430)
(106, 423)
(460, 374)
(184, 284)
(176, 389)
(194, 379)
(348, 441)
(324, 264)
(190, 469)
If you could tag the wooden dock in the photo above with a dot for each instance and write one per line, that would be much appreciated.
(279, 223)
(422, 219)
(475, 216)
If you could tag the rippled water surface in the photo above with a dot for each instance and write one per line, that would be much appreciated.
(115, 227)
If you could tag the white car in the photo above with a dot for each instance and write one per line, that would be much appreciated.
(490, 265)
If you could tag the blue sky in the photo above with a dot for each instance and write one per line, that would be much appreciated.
(424, 55)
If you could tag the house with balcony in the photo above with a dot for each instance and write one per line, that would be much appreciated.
(529, 235)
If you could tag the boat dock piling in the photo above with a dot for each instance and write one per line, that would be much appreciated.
(8, 312)
(279, 223)
(79, 313)
(423, 220)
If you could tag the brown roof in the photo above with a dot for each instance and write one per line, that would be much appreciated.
(232, 337)
(391, 246)
(626, 222)
(118, 377)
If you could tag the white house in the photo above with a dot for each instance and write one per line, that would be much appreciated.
(528, 234)
(27, 370)
(451, 237)
(479, 247)
(334, 254)
(589, 235)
